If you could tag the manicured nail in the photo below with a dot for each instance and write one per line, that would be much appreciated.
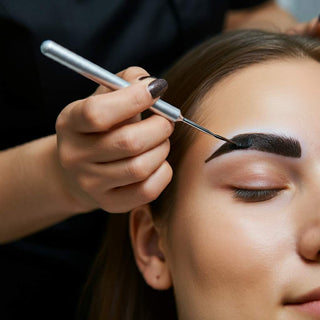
(157, 88)
(145, 77)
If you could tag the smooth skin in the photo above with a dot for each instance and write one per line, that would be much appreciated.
(112, 155)
(101, 157)
(225, 256)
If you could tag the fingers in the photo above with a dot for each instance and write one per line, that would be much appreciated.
(101, 112)
(99, 178)
(139, 168)
(121, 186)
(135, 139)
(106, 151)
(125, 142)
(139, 193)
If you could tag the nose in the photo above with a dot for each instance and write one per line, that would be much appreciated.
(307, 204)
(308, 218)
(309, 242)
(307, 215)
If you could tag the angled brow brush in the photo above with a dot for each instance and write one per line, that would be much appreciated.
(101, 76)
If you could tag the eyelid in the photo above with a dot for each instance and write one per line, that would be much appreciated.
(261, 171)
(259, 185)
(255, 195)
(255, 173)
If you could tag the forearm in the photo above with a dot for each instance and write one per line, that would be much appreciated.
(268, 16)
(33, 192)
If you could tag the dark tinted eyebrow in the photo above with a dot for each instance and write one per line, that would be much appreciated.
(280, 145)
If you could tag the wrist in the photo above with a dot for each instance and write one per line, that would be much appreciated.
(73, 199)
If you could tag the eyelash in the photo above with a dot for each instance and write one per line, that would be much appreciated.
(255, 195)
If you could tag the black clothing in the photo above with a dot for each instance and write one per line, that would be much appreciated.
(42, 275)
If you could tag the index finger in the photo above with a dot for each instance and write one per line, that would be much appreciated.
(102, 112)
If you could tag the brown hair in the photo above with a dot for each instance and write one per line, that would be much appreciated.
(117, 288)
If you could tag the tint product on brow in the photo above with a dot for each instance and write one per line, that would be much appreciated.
(280, 145)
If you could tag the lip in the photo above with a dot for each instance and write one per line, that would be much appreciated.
(308, 303)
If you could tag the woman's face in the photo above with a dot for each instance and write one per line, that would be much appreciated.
(244, 239)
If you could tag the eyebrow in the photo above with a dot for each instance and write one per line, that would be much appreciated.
(280, 145)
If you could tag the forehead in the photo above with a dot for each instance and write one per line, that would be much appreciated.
(272, 93)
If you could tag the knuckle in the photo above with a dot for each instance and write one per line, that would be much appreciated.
(163, 151)
(149, 192)
(63, 118)
(86, 183)
(90, 113)
(64, 121)
(101, 90)
(70, 157)
(127, 141)
(165, 126)
(60, 123)
(137, 169)
(140, 98)
(67, 158)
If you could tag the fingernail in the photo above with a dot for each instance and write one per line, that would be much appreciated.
(145, 77)
(157, 88)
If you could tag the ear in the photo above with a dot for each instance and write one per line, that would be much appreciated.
(149, 257)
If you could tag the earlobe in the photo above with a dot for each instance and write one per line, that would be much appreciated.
(149, 257)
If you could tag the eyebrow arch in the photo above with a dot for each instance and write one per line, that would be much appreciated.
(280, 145)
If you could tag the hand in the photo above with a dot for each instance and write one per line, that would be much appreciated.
(110, 157)
(311, 28)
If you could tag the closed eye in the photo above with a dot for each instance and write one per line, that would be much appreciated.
(254, 195)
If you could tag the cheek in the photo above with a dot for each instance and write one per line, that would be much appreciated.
(215, 245)
(220, 256)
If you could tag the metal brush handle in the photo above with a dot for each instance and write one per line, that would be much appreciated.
(101, 76)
